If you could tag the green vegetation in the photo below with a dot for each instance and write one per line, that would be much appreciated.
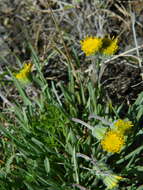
(68, 134)
(42, 148)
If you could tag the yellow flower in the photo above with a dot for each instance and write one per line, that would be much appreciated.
(112, 180)
(91, 45)
(122, 125)
(110, 46)
(24, 73)
(113, 141)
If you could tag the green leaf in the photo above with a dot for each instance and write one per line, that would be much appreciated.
(140, 187)
(133, 153)
(47, 165)
(99, 131)
(8, 164)
(75, 165)
(38, 143)
(139, 168)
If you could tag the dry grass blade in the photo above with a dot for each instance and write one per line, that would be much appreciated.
(112, 14)
(122, 9)
(80, 187)
(123, 54)
(136, 43)
(5, 100)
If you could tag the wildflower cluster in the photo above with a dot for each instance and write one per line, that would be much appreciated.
(123, 126)
(114, 139)
(109, 46)
(91, 45)
(24, 73)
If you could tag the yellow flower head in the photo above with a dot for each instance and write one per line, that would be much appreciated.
(110, 46)
(113, 141)
(111, 181)
(122, 125)
(24, 73)
(91, 45)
